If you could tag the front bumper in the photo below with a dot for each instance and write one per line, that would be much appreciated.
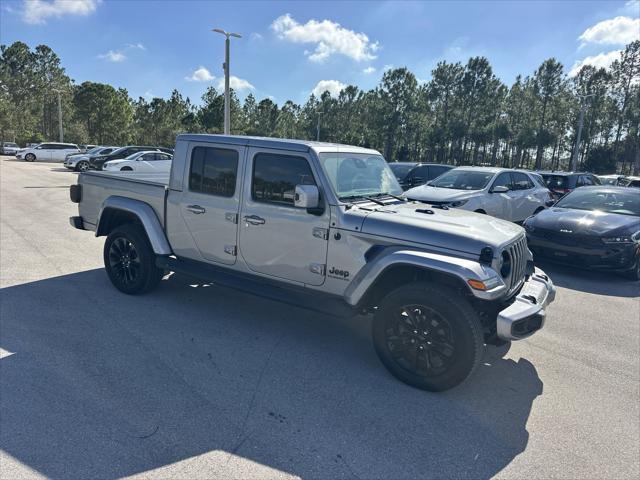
(76, 222)
(527, 314)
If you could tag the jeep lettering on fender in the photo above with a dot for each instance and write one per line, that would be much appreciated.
(336, 273)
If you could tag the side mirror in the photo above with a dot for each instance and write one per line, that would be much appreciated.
(306, 196)
(500, 189)
(38, 147)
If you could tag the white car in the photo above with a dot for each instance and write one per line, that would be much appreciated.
(9, 148)
(147, 162)
(503, 193)
(48, 152)
(80, 161)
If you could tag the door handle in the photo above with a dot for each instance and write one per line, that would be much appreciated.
(196, 209)
(254, 220)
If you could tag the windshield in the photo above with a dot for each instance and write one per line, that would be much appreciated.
(608, 180)
(463, 180)
(9, 144)
(95, 150)
(355, 175)
(133, 156)
(621, 202)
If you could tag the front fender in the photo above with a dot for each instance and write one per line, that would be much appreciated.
(145, 214)
(460, 268)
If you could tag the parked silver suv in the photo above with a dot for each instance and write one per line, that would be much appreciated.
(323, 226)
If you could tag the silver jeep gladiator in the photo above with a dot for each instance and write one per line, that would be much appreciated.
(325, 227)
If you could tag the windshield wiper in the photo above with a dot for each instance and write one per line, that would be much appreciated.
(404, 199)
(364, 197)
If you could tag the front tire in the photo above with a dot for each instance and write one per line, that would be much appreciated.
(130, 261)
(427, 336)
(30, 157)
(126, 169)
(82, 166)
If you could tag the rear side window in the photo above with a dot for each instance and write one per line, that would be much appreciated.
(213, 171)
(521, 181)
(503, 180)
(275, 177)
(420, 174)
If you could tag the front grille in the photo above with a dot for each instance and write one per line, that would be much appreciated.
(518, 253)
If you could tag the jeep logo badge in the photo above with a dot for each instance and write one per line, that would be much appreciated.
(334, 272)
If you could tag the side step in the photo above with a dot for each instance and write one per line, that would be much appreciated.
(265, 288)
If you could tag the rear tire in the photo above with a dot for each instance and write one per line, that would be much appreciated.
(126, 169)
(30, 157)
(130, 261)
(481, 211)
(427, 336)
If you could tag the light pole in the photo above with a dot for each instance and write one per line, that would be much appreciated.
(576, 151)
(319, 112)
(225, 66)
(61, 131)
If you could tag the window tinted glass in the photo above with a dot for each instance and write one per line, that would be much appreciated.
(503, 180)
(606, 200)
(46, 146)
(521, 181)
(275, 177)
(213, 171)
(555, 181)
(463, 180)
(420, 174)
(595, 180)
(436, 171)
(400, 170)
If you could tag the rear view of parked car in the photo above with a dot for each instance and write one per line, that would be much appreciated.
(630, 182)
(610, 179)
(48, 152)
(413, 174)
(561, 183)
(9, 148)
(507, 194)
(594, 227)
(145, 162)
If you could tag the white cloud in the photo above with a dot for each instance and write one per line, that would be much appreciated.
(388, 66)
(113, 56)
(36, 12)
(237, 84)
(601, 60)
(136, 46)
(200, 75)
(369, 70)
(332, 86)
(614, 31)
(256, 36)
(329, 38)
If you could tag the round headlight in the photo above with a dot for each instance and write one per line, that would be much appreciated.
(505, 264)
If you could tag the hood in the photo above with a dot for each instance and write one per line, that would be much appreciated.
(585, 222)
(78, 156)
(453, 229)
(426, 193)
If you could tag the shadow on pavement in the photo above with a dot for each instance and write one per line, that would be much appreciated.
(589, 281)
(98, 384)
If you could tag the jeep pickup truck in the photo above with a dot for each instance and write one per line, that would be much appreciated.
(323, 226)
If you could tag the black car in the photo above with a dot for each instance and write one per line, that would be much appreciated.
(412, 174)
(594, 227)
(561, 183)
(97, 161)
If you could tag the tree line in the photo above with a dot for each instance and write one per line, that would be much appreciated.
(464, 115)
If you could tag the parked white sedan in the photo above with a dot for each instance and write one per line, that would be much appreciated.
(503, 193)
(48, 152)
(147, 162)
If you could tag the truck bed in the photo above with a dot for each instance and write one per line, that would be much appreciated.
(97, 186)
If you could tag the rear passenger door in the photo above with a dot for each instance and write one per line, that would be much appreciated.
(210, 200)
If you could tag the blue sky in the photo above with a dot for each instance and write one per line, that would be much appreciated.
(289, 49)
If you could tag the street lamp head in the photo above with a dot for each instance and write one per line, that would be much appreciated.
(219, 30)
(226, 34)
(237, 35)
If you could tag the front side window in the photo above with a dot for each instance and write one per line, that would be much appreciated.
(521, 181)
(503, 180)
(213, 171)
(275, 177)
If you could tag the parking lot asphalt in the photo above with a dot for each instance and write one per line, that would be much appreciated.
(198, 381)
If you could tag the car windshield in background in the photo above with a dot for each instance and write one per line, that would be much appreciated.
(610, 201)
(400, 170)
(609, 180)
(355, 175)
(9, 144)
(463, 180)
(95, 150)
(555, 181)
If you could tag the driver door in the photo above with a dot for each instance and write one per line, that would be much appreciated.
(278, 239)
